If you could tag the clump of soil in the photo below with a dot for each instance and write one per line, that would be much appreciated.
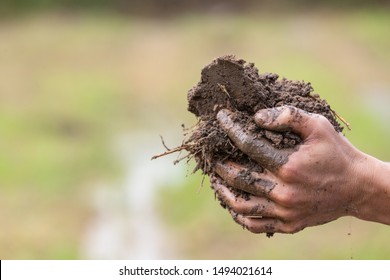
(228, 82)
(231, 83)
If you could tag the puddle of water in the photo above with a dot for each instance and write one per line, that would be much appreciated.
(127, 224)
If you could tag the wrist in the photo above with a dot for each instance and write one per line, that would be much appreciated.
(372, 189)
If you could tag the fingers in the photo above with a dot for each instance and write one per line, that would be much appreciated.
(287, 118)
(252, 206)
(256, 148)
(256, 214)
(241, 178)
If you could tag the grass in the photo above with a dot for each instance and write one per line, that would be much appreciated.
(70, 84)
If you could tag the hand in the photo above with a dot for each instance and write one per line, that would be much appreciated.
(320, 181)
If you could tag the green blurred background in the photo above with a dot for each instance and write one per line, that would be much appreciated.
(87, 87)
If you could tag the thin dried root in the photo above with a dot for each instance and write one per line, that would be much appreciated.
(183, 147)
(341, 119)
(203, 177)
(181, 158)
(223, 88)
(201, 183)
(165, 146)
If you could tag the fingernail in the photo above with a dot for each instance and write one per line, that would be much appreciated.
(223, 114)
(224, 119)
(263, 116)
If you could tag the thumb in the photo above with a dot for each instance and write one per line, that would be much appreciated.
(288, 118)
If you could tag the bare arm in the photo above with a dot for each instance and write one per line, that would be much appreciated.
(325, 179)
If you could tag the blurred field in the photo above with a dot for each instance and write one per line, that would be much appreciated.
(71, 84)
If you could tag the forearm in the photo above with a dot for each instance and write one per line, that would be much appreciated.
(373, 203)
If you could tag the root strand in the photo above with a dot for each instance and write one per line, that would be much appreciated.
(183, 147)
(341, 119)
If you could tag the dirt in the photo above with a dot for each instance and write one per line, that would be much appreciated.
(232, 83)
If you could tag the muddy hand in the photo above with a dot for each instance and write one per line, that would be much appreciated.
(312, 185)
(257, 148)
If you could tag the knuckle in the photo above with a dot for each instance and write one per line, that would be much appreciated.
(285, 198)
(291, 216)
(239, 206)
(322, 122)
(286, 114)
(291, 228)
(288, 172)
